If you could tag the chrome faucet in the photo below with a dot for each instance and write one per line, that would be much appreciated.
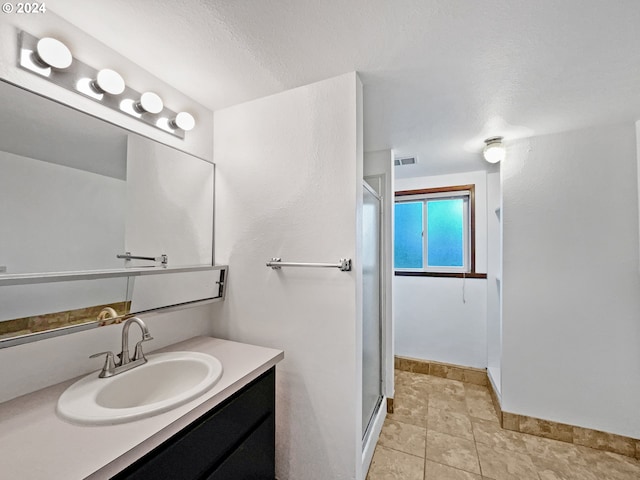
(137, 355)
(111, 367)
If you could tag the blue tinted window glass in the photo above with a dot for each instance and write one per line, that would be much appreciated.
(408, 235)
(445, 233)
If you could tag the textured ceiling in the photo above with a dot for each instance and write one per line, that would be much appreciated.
(439, 75)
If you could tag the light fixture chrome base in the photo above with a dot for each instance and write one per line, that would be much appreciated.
(79, 78)
(491, 140)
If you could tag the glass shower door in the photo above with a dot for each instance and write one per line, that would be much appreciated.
(371, 328)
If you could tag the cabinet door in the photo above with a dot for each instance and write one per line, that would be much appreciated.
(202, 447)
(253, 459)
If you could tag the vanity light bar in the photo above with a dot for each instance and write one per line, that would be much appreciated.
(51, 59)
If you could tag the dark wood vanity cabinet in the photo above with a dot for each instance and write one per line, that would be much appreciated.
(233, 441)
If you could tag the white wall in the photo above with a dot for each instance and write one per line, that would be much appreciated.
(170, 211)
(40, 211)
(494, 279)
(571, 293)
(169, 204)
(39, 364)
(379, 164)
(154, 291)
(19, 301)
(58, 218)
(432, 321)
(638, 173)
(289, 184)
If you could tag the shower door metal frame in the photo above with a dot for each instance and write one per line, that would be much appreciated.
(381, 316)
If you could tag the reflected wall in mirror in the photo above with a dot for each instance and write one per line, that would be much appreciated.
(62, 188)
(76, 191)
(148, 291)
(29, 309)
(169, 204)
(37, 308)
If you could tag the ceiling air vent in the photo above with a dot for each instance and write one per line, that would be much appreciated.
(400, 161)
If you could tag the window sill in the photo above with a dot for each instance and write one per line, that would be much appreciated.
(405, 273)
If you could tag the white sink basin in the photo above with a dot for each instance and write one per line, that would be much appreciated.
(166, 381)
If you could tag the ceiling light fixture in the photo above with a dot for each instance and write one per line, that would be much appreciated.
(149, 102)
(184, 121)
(108, 81)
(494, 150)
(53, 53)
(51, 59)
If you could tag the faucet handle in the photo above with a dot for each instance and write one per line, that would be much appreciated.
(96, 355)
(138, 354)
(109, 364)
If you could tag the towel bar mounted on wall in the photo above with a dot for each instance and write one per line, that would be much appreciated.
(162, 258)
(344, 265)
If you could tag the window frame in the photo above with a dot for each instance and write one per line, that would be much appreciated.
(470, 239)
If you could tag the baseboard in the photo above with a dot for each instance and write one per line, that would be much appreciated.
(609, 442)
(493, 375)
(495, 398)
(389, 405)
(477, 376)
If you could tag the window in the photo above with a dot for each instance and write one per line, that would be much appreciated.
(434, 231)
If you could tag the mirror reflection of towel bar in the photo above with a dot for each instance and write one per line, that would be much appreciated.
(344, 265)
(127, 256)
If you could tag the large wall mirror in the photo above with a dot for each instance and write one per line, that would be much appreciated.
(80, 198)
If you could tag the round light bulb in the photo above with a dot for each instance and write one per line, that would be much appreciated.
(150, 102)
(184, 121)
(494, 150)
(53, 53)
(109, 81)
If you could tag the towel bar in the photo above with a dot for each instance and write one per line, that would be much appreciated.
(344, 265)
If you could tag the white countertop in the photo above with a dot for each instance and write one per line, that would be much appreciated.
(36, 444)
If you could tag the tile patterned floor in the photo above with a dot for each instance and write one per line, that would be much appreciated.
(448, 430)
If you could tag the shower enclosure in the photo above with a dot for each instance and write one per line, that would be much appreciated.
(371, 328)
